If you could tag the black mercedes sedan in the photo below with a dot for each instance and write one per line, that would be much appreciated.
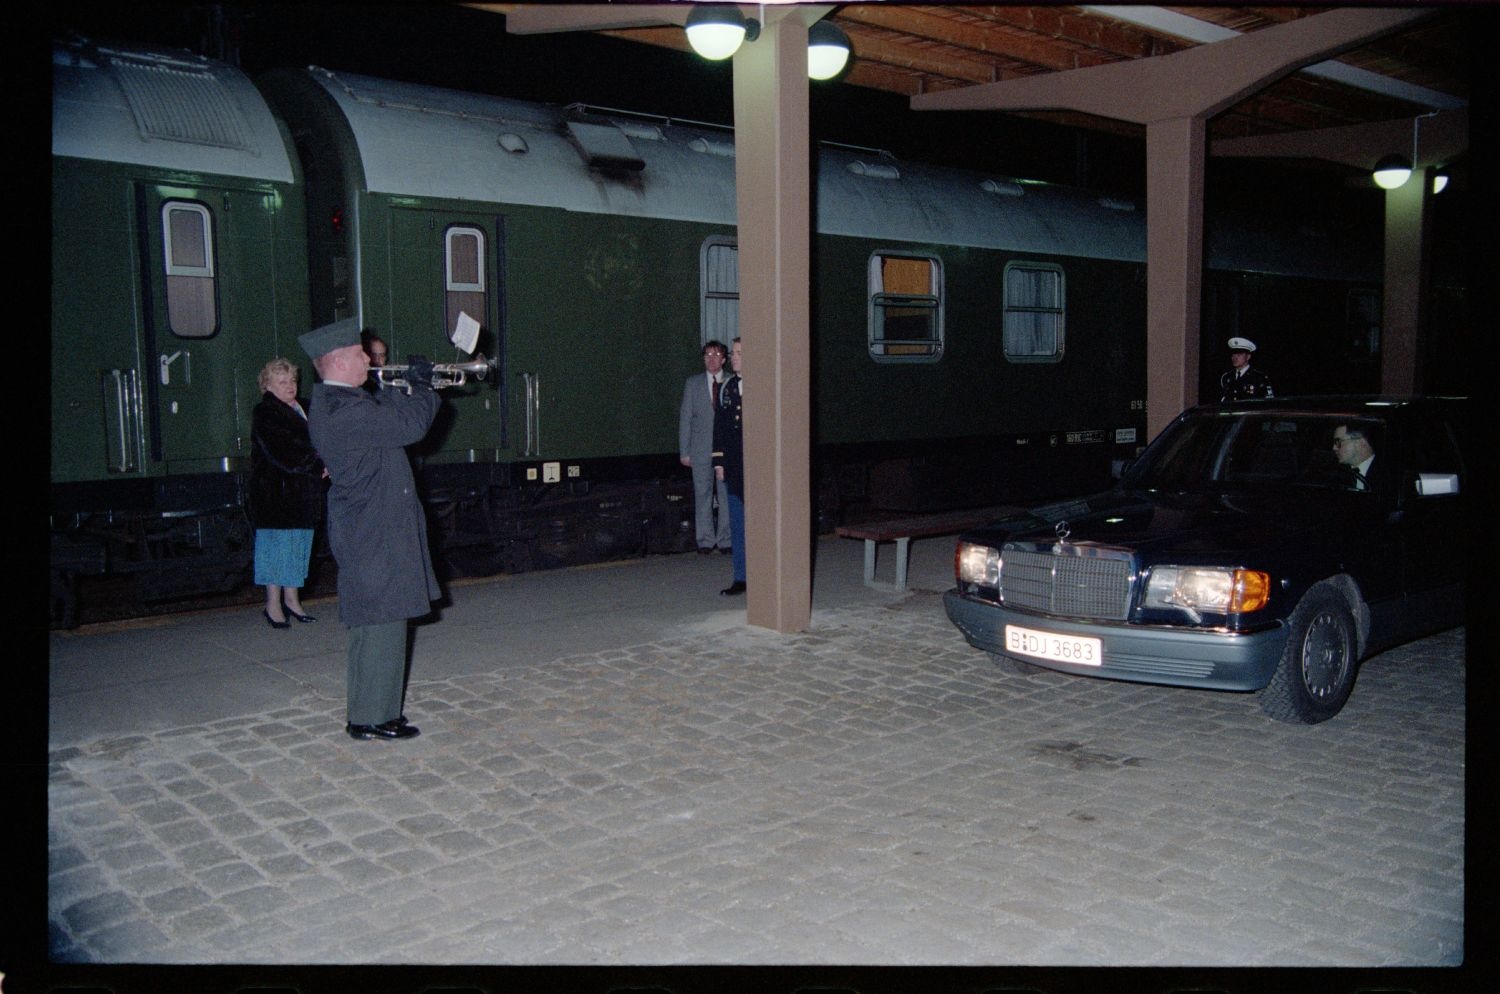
(1264, 546)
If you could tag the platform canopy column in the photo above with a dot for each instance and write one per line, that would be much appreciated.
(773, 187)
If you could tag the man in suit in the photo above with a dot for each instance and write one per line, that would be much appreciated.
(377, 529)
(378, 352)
(1355, 453)
(375, 348)
(695, 443)
(1240, 382)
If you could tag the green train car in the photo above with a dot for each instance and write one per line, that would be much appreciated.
(975, 338)
(179, 267)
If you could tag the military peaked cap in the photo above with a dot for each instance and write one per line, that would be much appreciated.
(338, 335)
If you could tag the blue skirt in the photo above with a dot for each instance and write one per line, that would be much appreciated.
(281, 556)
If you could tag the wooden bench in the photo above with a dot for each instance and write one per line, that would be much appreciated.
(903, 530)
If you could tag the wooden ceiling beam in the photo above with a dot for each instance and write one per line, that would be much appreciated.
(937, 60)
(965, 33)
(1093, 31)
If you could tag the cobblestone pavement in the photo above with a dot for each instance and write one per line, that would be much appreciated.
(872, 791)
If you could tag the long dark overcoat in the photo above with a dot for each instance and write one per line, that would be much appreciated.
(376, 527)
(286, 475)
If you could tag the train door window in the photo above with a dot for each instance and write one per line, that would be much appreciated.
(464, 283)
(719, 286)
(188, 244)
(905, 314)
(1035, 308)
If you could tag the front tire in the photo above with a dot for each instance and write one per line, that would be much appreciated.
(1316, 672)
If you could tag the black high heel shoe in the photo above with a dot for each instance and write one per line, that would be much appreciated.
(274, 623)
(303, 618)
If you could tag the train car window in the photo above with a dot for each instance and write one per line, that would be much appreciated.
(188, 244)
(464, 283)
(719, 286)
(905, 313)
(1035, 308)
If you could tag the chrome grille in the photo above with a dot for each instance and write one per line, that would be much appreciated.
(1074, 581)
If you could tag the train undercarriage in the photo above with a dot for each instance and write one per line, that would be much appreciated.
(174, 546)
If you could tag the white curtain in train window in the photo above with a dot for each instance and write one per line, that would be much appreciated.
(187, 243)
(1034, 311)
(719, 290)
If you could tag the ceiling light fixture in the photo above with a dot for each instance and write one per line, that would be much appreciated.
(716, 31)
(827, 50)
(1392, 172)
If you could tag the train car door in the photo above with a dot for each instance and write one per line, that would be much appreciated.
(443, 264)
(98, 421)
(210, 317)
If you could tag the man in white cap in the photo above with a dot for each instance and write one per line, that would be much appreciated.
(1241, 382)
(376, 527)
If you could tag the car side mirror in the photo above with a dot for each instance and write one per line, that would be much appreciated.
(1434, 484)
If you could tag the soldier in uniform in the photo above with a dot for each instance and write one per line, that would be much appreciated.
(729, 463)
(376, 527)
(1240, 382)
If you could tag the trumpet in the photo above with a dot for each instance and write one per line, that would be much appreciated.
(444, 374)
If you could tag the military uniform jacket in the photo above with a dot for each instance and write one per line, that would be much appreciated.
(729, 436)
(1247, 387)
(377, 529)
(286, 475)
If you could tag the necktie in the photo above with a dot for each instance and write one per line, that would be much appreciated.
(716, 392)
(1359, 481)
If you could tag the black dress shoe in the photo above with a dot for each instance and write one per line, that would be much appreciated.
(704, 550)
(274, 623)
(396, 728)
(303, 618)
(737, 587)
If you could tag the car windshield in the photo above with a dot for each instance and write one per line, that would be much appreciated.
(1232, 450)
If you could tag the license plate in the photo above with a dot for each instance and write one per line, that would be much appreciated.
(1050, 645)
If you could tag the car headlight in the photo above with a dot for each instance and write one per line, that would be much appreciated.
(1198, 589)
(977, 564)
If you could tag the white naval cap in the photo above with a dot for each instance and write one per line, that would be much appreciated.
(1241, 345)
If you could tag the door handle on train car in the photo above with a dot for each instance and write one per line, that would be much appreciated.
(533, 384)
(166, 366)
(526, 382)
(127, 419)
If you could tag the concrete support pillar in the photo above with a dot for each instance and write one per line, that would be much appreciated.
(773, 188)
(1174, 268)
(1403, 324)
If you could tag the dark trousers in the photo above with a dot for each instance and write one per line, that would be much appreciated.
(737, 535)
(376, 676)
